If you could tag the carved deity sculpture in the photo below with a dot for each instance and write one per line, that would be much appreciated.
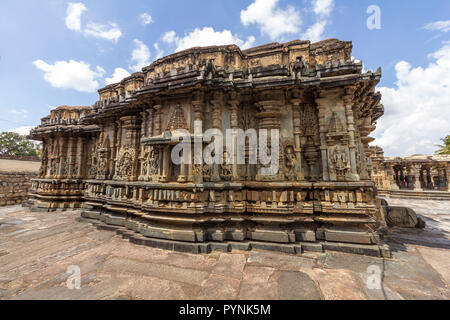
(153, 162)
(290, 163)
(300, 68)
(226, 168)
(339, 160)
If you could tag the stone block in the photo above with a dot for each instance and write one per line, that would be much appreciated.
(270, 236)
(305, 235)
(218, 246)
(214, 235)
(235, 235)
(349, 236)
(273, 247)
(311, 247)
(367, 250)
(240, 246)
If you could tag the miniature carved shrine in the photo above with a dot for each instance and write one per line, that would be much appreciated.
(113, 160)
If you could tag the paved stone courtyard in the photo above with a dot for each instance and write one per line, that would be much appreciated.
(36, 250)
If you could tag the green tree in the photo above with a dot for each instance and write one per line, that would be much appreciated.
(444, 148)
(14, 144)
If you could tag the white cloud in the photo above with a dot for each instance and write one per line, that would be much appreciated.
(101, 31)
(140, 56)
(443, 26)
(206, 37)
(315, 32)
(75, 75)
(322, 10)
(146, 18)
(417, 110)
(110, 32)
(272, 20)
(118, 75)
(159, 51)
(23, 131)
(73, 15)
(19, 112)
(323, 7)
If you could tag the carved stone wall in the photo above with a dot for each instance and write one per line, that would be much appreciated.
(114, 159)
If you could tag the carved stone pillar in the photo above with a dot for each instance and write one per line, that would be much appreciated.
(269, 118)
(70, 156)
(165, 176)
(234, 124)
(150, 119)
(196, 169)
(62, 158)
(119, 140)
(442, 179)
(114, 147)
(348, 104)
(416, 173)
(447, 176)
(429, 180)
(409, 178)
(217, 104)
(324, 105)
(297, 108)
(80, 156)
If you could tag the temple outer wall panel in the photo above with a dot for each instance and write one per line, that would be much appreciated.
(114, 159)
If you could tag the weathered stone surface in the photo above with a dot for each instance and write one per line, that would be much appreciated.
(230, 265)
(219, 287)
(259, 283)
(35, 259)
(339, 284)
(297, 286)
(403, 217)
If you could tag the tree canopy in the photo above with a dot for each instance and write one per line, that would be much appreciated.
(445, 147)
(14, 144)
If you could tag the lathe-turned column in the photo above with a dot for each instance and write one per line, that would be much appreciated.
(416, 172)
(63, 157)
(71, 151)
(79, 158)
(348, 104)
(217, 104)
(322, 105)
(234, 124)
(157, 128)
(297, 107)
(442, 178)
(196, 169)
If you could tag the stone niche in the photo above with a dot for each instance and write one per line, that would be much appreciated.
(113, 159)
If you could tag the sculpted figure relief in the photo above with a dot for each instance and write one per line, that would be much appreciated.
(153, 162)
(226, 169)
(124, 164)
(290, 163)
(339, 160)
(300, 68)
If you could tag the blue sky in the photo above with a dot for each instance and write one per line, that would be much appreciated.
(59, 52)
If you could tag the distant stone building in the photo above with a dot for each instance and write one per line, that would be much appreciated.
(417, 176)
(114, 159)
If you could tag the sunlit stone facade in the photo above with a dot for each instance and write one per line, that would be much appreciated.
(113, 159)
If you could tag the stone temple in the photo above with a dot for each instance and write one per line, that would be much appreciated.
(113, 160)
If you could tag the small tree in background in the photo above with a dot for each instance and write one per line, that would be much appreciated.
(14, 144)
(444, 148)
